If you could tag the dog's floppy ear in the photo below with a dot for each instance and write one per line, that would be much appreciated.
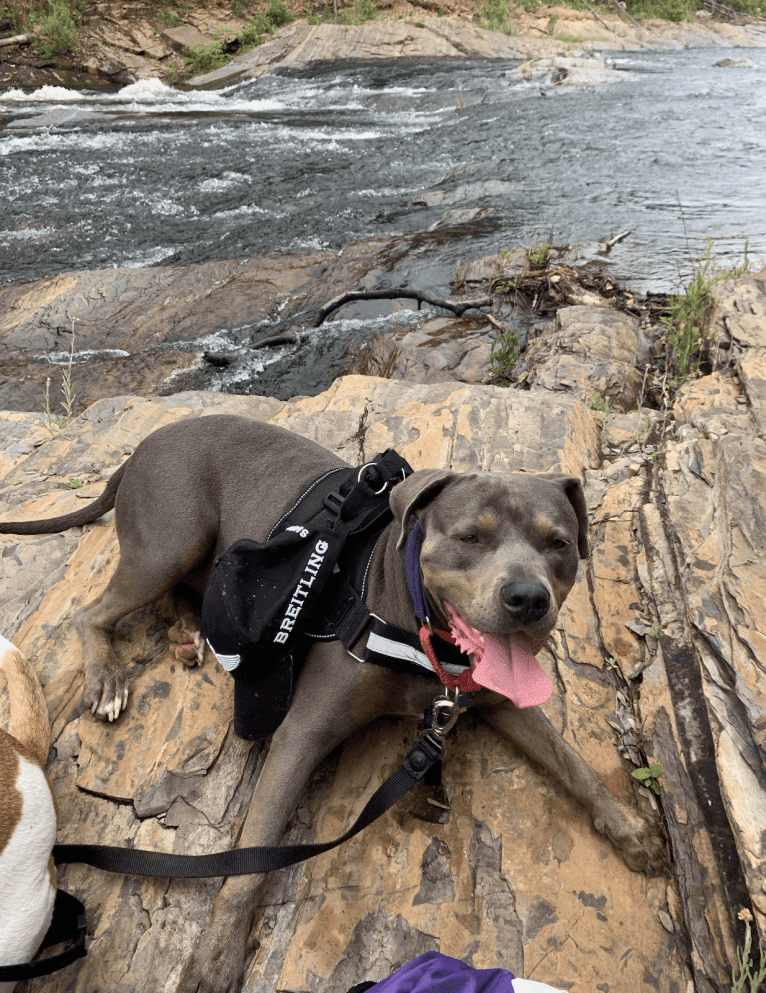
(572, 486)
(416, 491)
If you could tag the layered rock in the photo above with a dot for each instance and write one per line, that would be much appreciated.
(458, 37)
(437, 350)
(590, 351)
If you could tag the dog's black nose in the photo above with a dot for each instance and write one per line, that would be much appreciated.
(526, 600)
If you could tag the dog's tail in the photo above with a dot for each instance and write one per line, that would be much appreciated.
(29, 715)
(87, 515)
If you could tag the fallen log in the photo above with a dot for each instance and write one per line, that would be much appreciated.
(19, 39)
(402, 294)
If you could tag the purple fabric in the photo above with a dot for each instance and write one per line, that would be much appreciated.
(412, 571)
(433, 972)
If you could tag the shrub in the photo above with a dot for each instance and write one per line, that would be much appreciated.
(364, 10)
(59, 28)
(496, 17)
(206, 58)
(278, 14)
(504, 354)
(169, 19)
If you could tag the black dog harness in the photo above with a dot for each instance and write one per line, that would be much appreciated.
(267, 601)
(344, 613)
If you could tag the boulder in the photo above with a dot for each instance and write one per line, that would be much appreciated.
(590, 351)
(185, 38)
(435, 351)
(737, 64)
(569, 71)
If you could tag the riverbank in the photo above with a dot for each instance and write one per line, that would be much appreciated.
(120, 43)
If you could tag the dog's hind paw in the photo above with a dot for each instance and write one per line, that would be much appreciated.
(223, 973)
(637, 840)
(188, 646)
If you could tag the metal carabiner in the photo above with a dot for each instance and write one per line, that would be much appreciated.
(445, 710)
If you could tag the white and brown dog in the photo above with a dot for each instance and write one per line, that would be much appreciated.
(27, 816)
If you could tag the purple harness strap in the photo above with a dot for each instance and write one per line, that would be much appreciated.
(433, 972)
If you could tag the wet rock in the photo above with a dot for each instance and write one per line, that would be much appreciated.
(737, 64)
(436, 351)
(147, 329)
(62, 118)
(569, 71)
(463, 194)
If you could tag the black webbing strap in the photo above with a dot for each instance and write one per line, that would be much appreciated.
(68, 924)
(244, 861)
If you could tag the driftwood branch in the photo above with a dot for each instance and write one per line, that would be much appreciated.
(19, 39)
(402, 294)
(618, 237)
(622, 10)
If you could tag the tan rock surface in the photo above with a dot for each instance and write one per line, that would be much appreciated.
(659, 657)
(591, 351)
(516, 878)
(458, 36)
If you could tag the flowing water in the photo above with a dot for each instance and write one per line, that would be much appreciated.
(153, 176)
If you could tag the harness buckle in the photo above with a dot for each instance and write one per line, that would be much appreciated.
(334, 501)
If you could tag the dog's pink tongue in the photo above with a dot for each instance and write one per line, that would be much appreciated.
(510, 668)
(507, 667)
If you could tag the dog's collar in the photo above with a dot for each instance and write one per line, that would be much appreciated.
(463, 680)
(412, 572)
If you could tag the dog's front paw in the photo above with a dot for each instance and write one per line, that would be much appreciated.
(106, 690)
(637, 839)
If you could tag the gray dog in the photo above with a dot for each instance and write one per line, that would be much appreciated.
(194, 487)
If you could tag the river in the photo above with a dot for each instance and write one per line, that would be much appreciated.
(150, 175)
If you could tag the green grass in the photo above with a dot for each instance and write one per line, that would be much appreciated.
(686, 313)
(539, 255)
(504, 355)
(360, 13)
(169, 19)
(603, 408)
(743, 973)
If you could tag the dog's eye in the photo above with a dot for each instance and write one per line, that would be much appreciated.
(469, 539)
(559, 543)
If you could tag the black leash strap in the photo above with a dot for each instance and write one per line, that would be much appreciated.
(68, 924)
(244, 861)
